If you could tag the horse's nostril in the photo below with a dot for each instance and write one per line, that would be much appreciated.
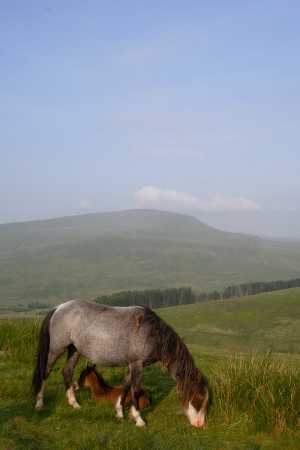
(75, 386)
(198, 422)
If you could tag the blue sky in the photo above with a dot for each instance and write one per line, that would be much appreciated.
(191, 106)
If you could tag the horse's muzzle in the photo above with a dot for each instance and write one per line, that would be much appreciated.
(75, 386)
(198, 422)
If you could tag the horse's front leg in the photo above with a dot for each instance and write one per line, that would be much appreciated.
(136, 376)
(122, 397)
(68, 371)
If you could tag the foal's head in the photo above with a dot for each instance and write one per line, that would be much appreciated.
(85, 378)
(195, 402)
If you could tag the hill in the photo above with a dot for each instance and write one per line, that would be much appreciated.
(89, 255)
(256, 323)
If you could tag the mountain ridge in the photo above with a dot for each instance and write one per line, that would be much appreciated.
(94, 254)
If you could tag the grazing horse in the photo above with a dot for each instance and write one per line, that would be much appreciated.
(118, 336)
(89, 377)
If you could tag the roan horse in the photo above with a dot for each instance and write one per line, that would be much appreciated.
(118, 336)
(89, 377)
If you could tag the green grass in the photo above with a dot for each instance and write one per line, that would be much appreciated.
(263, 322)
(86, 256)
(255, 396)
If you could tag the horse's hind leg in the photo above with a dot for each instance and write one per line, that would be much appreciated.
(40, 397)
(51, 359)
(68, 371)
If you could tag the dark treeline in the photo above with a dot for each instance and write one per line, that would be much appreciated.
(37, 305)
(259, 286)
(154, 298)
(159, 298)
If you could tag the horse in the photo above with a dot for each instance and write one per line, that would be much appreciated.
(118, 336)
(101, 391)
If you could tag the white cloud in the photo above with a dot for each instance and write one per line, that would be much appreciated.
(152, 194)
(84, 204)
(170, 198)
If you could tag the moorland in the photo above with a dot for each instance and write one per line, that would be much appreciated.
(248, 347)
(50, 261)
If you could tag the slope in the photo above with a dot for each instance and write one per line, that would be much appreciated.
(258, 323)
(85, 256)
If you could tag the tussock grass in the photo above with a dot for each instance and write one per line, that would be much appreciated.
(19, 337)
(255, 404)
(259, 390)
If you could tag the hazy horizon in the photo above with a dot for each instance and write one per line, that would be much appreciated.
(184, 106)
(149, 209)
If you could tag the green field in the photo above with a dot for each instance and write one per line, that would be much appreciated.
(248, 348)
(85, 256)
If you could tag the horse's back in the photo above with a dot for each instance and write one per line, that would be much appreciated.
(104, 334)
(79, 312)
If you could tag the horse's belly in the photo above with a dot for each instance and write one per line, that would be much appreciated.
(111, 353)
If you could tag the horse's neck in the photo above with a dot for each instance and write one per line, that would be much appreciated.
(175, 372)
(183, 374)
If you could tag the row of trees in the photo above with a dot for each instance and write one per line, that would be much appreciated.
(260, 286)
(38, 305)
(154, 298)
(159, 298)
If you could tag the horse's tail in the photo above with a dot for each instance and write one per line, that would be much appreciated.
(40, 369)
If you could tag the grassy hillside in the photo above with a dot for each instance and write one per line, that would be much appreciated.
(258, 323)
(255, 398)
(89, 255)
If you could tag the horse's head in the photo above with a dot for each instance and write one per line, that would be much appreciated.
(198, 400)
(84, 379)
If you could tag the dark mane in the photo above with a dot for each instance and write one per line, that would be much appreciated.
(174, 354)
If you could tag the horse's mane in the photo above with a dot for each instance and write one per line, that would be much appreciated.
(172, 351)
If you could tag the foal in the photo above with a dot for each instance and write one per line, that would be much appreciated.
(89, 377)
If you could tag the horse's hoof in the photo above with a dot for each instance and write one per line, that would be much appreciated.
(38, 408)
(140, 424)
(119, 415)
(76, 406)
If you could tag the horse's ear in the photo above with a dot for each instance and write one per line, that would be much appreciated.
(199, 375)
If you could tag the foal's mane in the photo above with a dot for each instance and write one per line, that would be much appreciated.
(172, 351)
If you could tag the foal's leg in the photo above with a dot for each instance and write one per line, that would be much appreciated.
(136, 375)
(68, 371)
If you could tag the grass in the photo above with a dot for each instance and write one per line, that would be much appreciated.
(264, 391)
(262, 322)
(255, 397)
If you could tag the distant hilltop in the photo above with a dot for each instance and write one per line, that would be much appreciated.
(95, 254)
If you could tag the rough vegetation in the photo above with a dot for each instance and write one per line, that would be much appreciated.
(255, 394)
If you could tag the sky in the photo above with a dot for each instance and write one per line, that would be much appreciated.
(191, 106)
